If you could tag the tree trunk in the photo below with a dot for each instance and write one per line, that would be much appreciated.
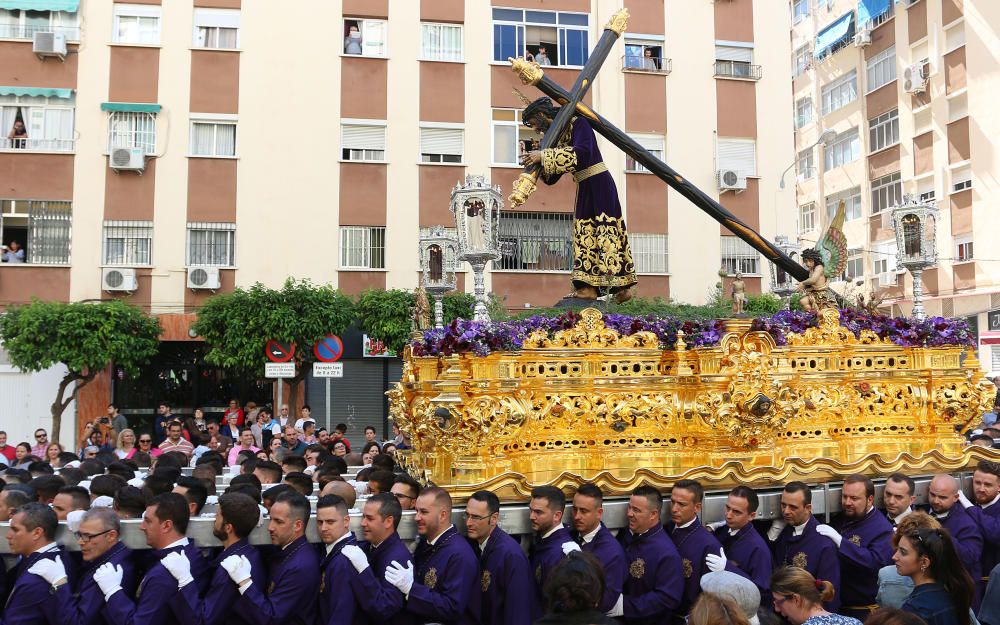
(59, 405)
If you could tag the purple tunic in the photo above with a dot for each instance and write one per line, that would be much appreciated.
(693, 543)
(336, 603)
(222, 593)
(605, 548)
(445, 582)
(83, 606)
(968, 542)
(546, 553)
(813, 552)
(381, 603)
(29, 594)
(866, 547)
(156, 591)
(290, 597)
(506, 584)
(653, 588)
(988, 520)
(749, 556)
(601, 253)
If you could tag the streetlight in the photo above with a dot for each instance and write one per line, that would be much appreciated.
(476, 206)
(438, 262)
(916, 243)
(824, 138)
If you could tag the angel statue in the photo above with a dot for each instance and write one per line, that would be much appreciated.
(421, 314)
(824, 262)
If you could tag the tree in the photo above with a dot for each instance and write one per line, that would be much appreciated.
(85, 337)
(387, 315)
(236, 326)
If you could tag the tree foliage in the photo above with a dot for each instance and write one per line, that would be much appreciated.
(387, 315)
(85, 337)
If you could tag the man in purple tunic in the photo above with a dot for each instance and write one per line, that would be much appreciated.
(380, 602)
(594, 538)
(507, 590)
(943, 498)
(443, 587)
(795, 541)
(654, 586)
(898, 497)
(552, 540)
(864, 542)
(694, 543)
(340, 561)
(602, 258)
(32, 536)
(986, 513)
(745, 550)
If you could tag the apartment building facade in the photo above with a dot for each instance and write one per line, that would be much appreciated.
(173, 150)
(904, 90)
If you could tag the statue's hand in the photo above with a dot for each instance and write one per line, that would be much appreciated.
(533, 157)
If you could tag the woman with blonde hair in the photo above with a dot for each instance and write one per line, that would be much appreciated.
(713, 609)
(52, 454)
(125, 443)
(799, 597)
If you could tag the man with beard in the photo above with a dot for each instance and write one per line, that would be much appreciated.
(745, 549)
(986, 513)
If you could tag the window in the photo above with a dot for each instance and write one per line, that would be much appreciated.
(738, 155)
(927, 196)
(211, 244)
(547, 37)
(803, 61)
(803, 112)
(24, 23)
(887, 192)
(855, 264)
(441, 42)
(136, 24)
(128, 243)
(806, 168)
(735, 59)
(800, 10)
(963, 249)
(536, 241)
(48, 122)
(883, 131)
(649, 251)
(364, 37)
(41, 228)
(213, 138)
(132, 130)
(441, 144)
(884, 263)
(840, 92)
(807, 218)
(217, 29)
(739, 257)
(362, 141)
(510, 137)
(852, 204)
(842, 150)
(645, 54)
(653, 143)
(882, 68)
(362, 247)
(961, 179)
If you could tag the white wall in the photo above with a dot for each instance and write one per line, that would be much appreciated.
(25, 400)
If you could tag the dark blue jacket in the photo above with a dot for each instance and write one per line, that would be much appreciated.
(290, 597)
(29, 594)
(220, 595)
(82, 605)
(445, 581)
(336, 601)
(507, 589)
(156, 590)
(931, 603)
(381, 603)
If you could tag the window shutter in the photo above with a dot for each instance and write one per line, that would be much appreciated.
(650, 142)
(738, 155)
(733, 53)
(363, 137)
(221, 18)
(441, 141)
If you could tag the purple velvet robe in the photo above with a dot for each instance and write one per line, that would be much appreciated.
(381, 603)
(505, 582)
(693, 543)
(654, 586)
(336, 602)
(290, 597)
(602, 256)
(29, 594)
(83, 606)
(968, 542)
(445, 581)
(546, 553)
(866, 547)
(221, 594)
(156, 591)
(749, 556)
(813, 552)
(609, 551)
(988, 520)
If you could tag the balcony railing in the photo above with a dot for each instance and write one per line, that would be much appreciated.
(36, 145)
(27, 31)
(648, 64)
(737, 69)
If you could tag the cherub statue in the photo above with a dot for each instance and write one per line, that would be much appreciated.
(739, 289)
(813, 288)
(825, 261)
(421, 314)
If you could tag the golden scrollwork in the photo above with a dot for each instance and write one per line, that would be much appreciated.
(528, 72)
(522, 189)
(558, 160)
(591, 333)
(618, 22)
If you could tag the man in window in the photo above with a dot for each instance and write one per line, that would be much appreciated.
(352, 43)
(12, 253)
(602, 257)
(542, 58)
(648, 60)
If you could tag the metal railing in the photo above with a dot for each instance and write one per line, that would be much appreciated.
(737, 69)
(647, 64)
(37, 145)
(536, 241)
(27, 31)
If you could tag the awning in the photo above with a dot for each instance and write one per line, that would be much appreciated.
(70, 6)
(833, 34)
(870, 9)
(37, 92)
(130, 107)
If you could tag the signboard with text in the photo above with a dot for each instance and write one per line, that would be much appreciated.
(374, 348)
(328, 369)
(279, 370)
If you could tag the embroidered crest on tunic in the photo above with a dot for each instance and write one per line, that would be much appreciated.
(855, 539)
(800, 560)
(484, 582)
(431, 578)
(637, 569)
(688, 569)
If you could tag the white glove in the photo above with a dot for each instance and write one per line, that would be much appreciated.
(962, 499)
(179, 566)
(715, 526)
(776, 526)
(716, 563)
(109, 579)
(103, 502)
(73, 519)
(569, 547)
(137, 481)
(399, 576)
(51, 571)
(825, 530)
(619, 609)
(238, 568)
(357, 557)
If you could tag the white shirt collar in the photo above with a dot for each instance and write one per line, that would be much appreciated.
(798, 529)
(330, 547)
(688, 524)
(988, 504)
(431, 542)
(47, 548)
(482, 543)
(902, 516)
(551, 531)
(589, 536)
(942, 516)
(183, 542)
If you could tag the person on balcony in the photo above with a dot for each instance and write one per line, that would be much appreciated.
(18, 136)
(12, 253)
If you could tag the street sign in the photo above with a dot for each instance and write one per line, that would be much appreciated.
(993, 317)
(279, 370)
(329, 348)
(328, 369)
(279, 351)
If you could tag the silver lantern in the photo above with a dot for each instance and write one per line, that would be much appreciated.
(782, 284)
(438, 264)
(476, 206)
(916, 242)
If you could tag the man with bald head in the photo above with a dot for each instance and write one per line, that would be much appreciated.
(943, 498)
(341, 489)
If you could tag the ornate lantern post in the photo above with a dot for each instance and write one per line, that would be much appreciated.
(916, 242)
(438, 262)
(476, 206)
(782, 283)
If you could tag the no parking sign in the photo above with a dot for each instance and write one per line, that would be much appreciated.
(329, 348)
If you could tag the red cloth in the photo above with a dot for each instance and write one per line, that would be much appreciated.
(239, 416)
(8, 452)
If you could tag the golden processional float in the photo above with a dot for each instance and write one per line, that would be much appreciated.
(621, 402)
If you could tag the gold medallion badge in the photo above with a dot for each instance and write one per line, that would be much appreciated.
(637, 569)
(431, 578)
(688, 569)
(270, 588)
(800, 560)
(484, 581)
(855, 539)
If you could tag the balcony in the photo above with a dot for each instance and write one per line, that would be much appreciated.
(741, 70)
(36, 145)
(647, 64)
(10, 30)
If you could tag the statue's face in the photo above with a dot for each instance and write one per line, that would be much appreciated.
(539, 123)
(810, 263)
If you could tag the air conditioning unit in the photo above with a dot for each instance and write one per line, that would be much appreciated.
(863, 38)
(731, 180)
(128, 159)
(49, 44)
(914, 79)
(203, 277)
(119, 279)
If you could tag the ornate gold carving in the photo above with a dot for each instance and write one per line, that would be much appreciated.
(602, 254)
(637, 569)
(522, 189)
(431, 578)
(618, 22)
(528, 72)
(558, 161)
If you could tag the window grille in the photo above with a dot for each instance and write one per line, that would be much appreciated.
(739, 257)
(536, 241)
(362, 247)
(128, 243)
(132, 130)
(649, 252)
(211, 244)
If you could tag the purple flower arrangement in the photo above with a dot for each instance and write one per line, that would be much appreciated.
(483, 338)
